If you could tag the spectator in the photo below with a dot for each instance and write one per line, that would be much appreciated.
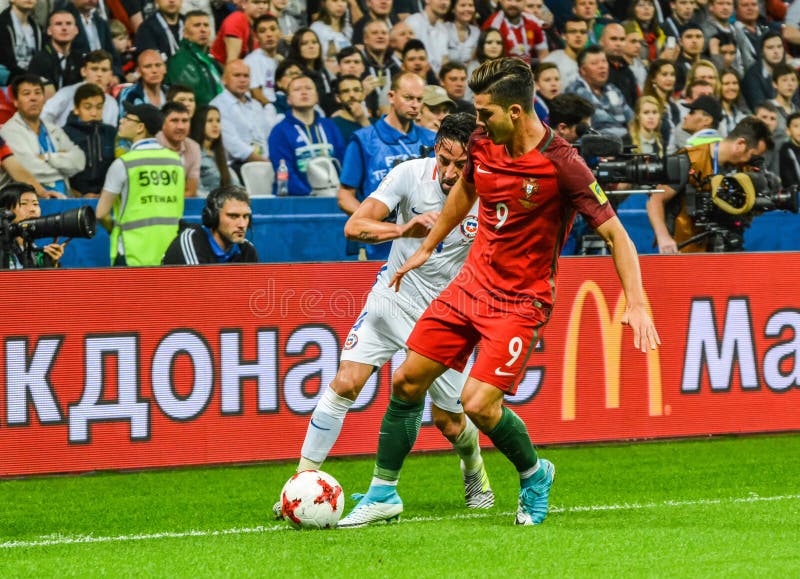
(124, 47)
(399, 34)
(12, 170)
(692, 42)
(163, 30)
(696, 89)
(174, 135)
(611, 112)
(570, 116)
(660, 83)
(576, 31)
(221, 237)
(784, 77)
(94, 32)
(40, 146)
(287, 71)
(522, 35)
(758, 85)
(645, 128)
(734, 108)
(462, 34)
(144, 188)
(706, 71)
(264, 60)
(179, 93)
(352, 114)
(701, 123)
(719, 20)
(768, 113)
(305, 48)
(631, 52)
(429, 28)
(245, 127)
(351, 63)
(57, 63)
(415, 59)
(137, 11)
(490, 46)
(21, 200)
(620, 75)
(86, 129)
(20, 36)
(96, 69)
(206, 130)
(192, 66)
(150, 86)
(235, 39)
(642, 13)
(379, 62)
(588, 11)
(789, 156)
(681, 15)
(332, 29)
(290, 18)
(303, 135)
(436, 105)
(722, 52)
(751, 27)
(547, 80)
(374, 150)
(453, 77)
(376, 10)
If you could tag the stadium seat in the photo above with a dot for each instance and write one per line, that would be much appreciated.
(258, 177)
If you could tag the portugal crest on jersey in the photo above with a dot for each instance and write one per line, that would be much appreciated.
(530, 187)
(469, 227)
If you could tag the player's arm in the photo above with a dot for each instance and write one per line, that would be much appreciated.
(368, 226)
(459, 201)
(656, 205)
(626, 261)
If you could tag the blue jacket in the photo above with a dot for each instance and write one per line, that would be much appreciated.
(295, 143)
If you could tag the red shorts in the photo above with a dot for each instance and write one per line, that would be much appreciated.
(455, 323)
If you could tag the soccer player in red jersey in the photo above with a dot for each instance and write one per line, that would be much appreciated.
(529, 183)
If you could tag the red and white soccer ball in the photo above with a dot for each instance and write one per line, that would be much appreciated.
(312, 499)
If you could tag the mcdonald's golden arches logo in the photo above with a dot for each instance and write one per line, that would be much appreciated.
(611, 341)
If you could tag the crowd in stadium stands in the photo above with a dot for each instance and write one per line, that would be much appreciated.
(291, 82)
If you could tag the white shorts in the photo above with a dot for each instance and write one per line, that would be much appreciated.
(380, 331)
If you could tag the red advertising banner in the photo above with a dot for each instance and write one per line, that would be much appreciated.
(136, 368)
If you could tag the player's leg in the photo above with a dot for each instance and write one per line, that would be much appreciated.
(448, 416)
(483, 404)
(328, 416)
(398, 432)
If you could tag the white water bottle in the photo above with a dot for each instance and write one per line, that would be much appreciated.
(282, 179)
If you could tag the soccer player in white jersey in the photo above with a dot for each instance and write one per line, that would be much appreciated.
(416, 190)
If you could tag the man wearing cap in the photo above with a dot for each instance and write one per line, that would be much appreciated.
(436, 105)
(701, 123)
(145, 190)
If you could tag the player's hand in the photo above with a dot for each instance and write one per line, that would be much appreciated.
(667, 245)
(413, 262)
(644, 331)
(421, 225)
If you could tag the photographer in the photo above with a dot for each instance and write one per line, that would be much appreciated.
(667, 210)
(21, 199)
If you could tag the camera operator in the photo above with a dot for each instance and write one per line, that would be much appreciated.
(667, 210)
(221, 239)
(21, 199)
(570, 116)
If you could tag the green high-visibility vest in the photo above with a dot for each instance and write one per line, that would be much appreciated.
(147, 219)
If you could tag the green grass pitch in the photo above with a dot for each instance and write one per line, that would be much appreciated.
(723, 507)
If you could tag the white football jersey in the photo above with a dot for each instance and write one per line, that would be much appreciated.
(410, 189)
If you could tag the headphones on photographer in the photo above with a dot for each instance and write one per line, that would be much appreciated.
(211, 211)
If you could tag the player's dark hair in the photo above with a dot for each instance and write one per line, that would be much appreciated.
(87, 91)
(456, 128)
(753, 131)
(569, 109)
(509, 81)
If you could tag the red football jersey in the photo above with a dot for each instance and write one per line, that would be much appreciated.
(527, 206)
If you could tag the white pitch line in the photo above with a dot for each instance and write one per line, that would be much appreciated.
(53, 540)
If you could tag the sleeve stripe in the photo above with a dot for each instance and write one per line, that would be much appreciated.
(187, 247)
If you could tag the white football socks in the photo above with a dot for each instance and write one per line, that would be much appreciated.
(323, 429)
(468, 449)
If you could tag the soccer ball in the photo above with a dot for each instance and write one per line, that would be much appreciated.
(312, 499)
